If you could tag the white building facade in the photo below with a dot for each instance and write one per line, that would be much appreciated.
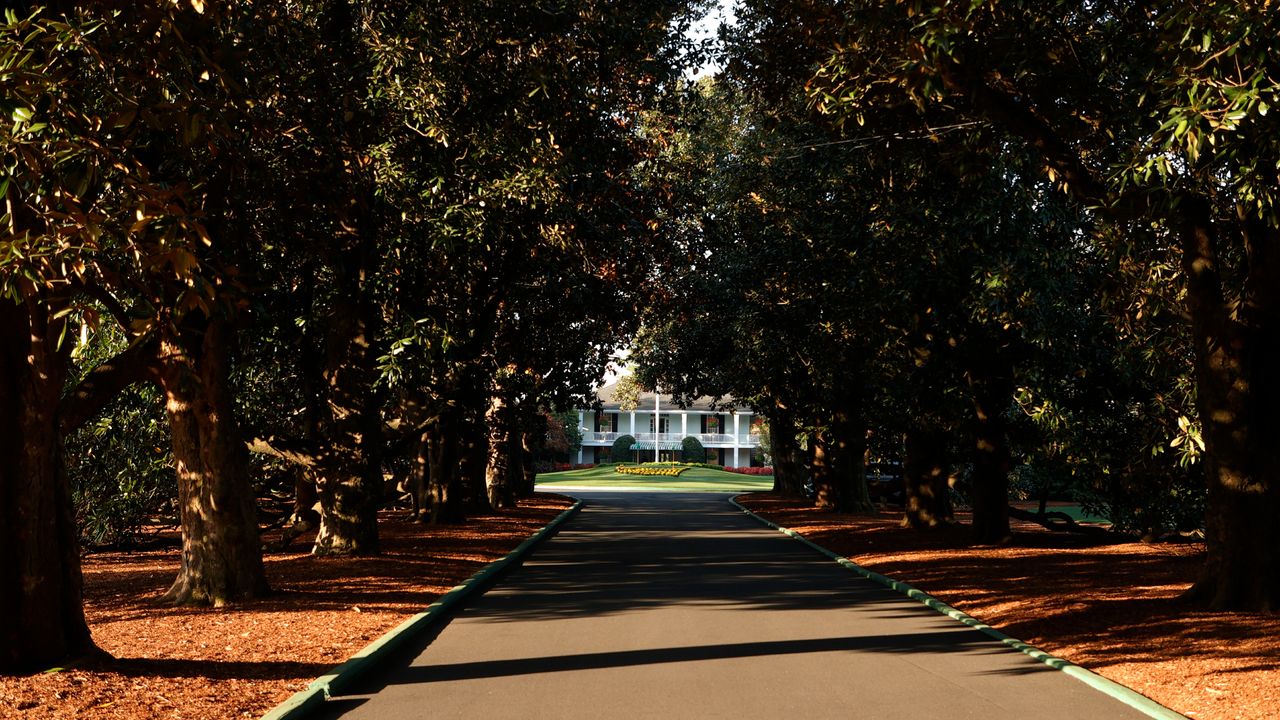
(729, 434)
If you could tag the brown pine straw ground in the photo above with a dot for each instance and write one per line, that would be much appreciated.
(241, 661)
(1109, 606)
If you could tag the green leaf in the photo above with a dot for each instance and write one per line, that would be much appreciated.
(21, 114)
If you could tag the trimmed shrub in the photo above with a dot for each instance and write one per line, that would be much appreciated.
(621, 450)
(691, 450)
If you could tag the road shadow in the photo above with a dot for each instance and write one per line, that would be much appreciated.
(905, 643)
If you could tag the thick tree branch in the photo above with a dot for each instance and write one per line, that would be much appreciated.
(133, 365)
(1021, 118)
(1059, 522)
(295, 450)
(108, 301)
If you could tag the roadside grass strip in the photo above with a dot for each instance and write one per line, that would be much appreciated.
(341, 677)
(1124, 694)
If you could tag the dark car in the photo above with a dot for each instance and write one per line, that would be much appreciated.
(884, 483)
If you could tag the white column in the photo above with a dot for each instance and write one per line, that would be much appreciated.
(684, 425)
(657, 425)
(633, 424)
(583, 430)
(736, 440)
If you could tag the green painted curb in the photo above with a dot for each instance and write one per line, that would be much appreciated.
(1126, 695)
(304, 702)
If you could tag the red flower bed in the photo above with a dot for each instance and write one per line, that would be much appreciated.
(751, 470)
(561, 467)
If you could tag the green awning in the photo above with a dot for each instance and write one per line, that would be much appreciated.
(661, 446)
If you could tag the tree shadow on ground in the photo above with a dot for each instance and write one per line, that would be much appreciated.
(948, 641)
(1101, 602)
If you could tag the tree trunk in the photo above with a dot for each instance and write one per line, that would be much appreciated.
(924, 476)
(472, 461)
(515, 462)
(349, 470)
(826, 492)
(518, 419)
(420, 480)
(1237, 357)
(839, 464)
(305, 498)
(221, 547)
(528, 451)
(788, 463)
(41, 605)
(305, 516)
(991, 388)
(853, 463)
(445, 483)
(498, 465)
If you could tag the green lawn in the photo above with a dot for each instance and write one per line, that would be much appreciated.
(1072, 510)
(701, 479)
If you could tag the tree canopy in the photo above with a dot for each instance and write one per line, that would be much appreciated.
(345, 253)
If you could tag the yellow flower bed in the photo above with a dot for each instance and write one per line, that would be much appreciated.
(649, 470)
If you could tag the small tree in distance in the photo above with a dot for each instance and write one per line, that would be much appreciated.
(691, 450)
(627, 393)
(621, 450)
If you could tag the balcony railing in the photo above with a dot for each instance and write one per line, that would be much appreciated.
(600, 437)
(711, 439)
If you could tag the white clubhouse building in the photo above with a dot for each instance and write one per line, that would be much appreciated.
(728, 433)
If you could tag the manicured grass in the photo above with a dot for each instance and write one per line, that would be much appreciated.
(1075, 512)
(694, 479)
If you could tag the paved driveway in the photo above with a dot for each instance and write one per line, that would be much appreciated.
(676, 605)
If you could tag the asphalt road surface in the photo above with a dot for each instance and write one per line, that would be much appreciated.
(676, 605)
